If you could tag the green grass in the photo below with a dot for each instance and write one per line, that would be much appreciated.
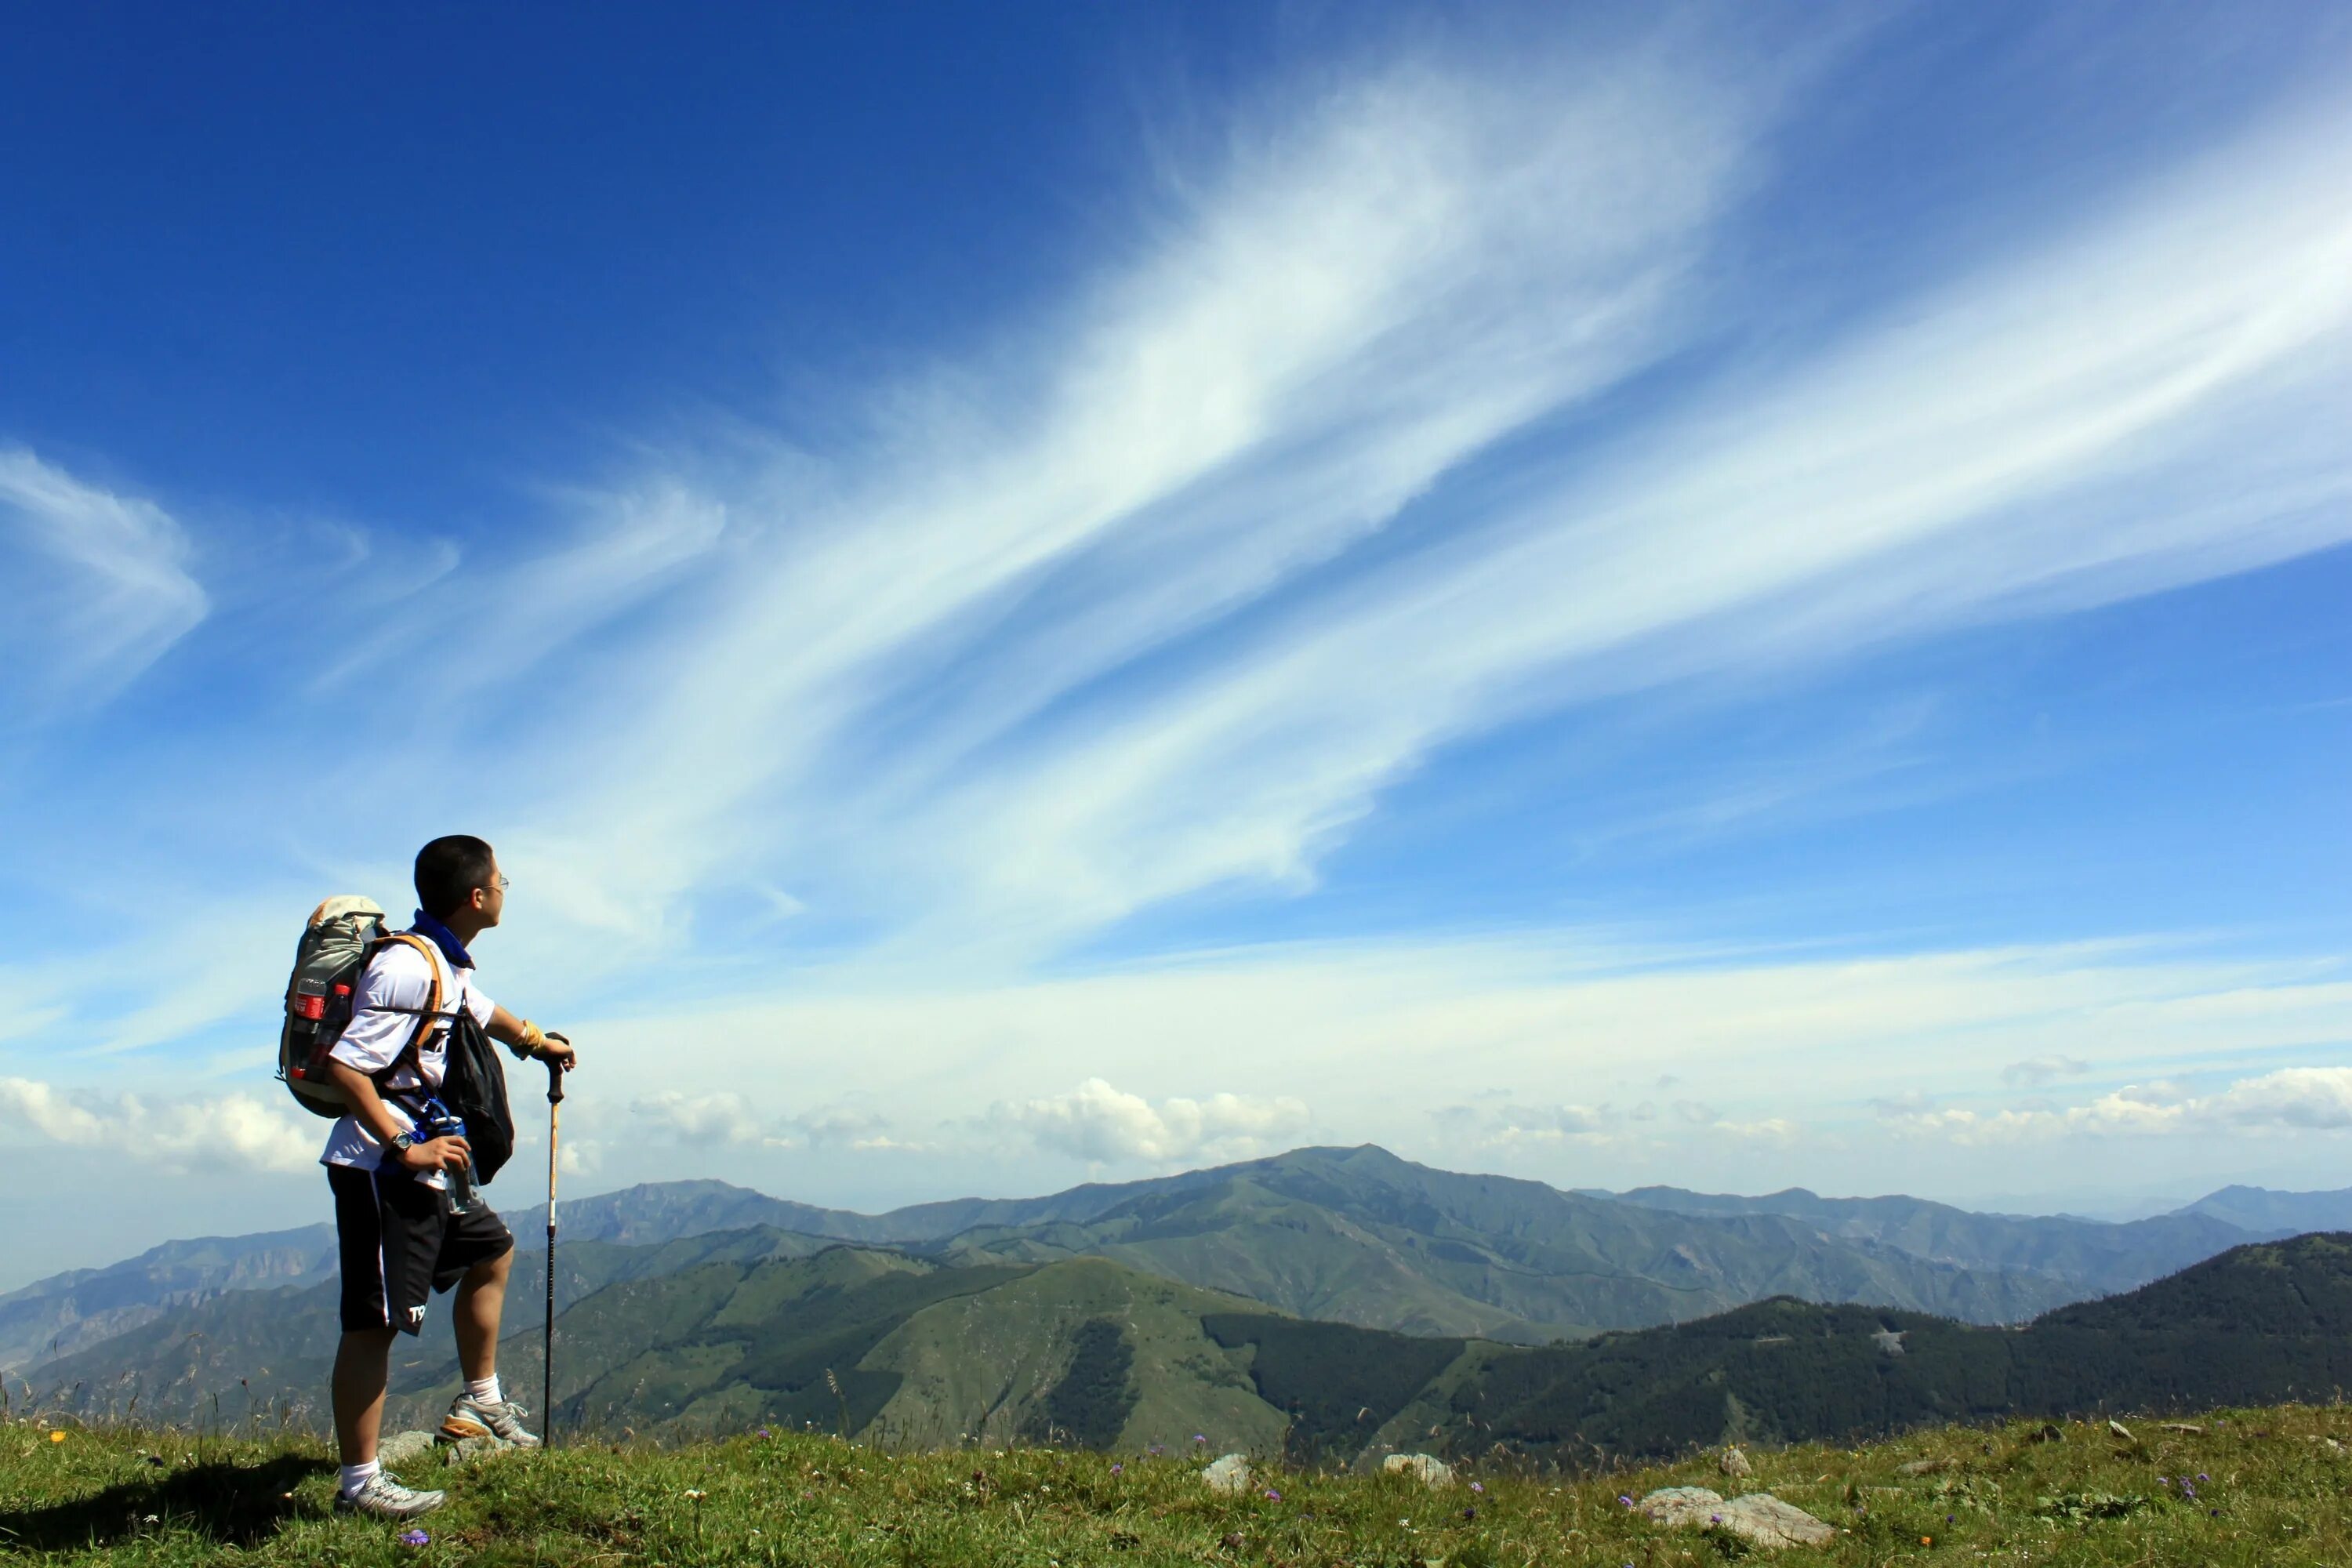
(2276, 1492)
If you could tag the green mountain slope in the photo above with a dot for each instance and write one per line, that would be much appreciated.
(2264, 1322)
(1359, 1236)
(908, 1351)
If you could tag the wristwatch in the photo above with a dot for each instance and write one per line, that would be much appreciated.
(403, 1142)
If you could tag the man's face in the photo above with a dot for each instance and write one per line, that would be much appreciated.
(490, 898)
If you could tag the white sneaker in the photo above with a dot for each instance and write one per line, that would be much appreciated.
(383, 1497)
(500, 1421)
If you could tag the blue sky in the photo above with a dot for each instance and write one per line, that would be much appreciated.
(1734, 596)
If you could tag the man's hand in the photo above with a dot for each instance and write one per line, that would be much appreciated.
(529, 1040)
(436, 1154)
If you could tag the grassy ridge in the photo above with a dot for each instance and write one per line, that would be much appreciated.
(2270, 1485)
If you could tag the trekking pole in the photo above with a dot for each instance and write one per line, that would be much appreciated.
(546, 1360)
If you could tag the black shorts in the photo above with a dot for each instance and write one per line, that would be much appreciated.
(398, 1242)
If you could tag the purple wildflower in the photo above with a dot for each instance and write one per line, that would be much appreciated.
(1198, 1438)
(414, 1538)
(1117, 1469)
(1477, 1486)
(763, 1432)
(1272, 1495)
(2200, 1475)
(1623, 1499)
(1715, 1518)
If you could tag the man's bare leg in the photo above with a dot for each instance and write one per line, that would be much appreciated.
(361, 1360)
(481, 1300)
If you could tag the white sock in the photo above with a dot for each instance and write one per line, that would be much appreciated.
(484, 1389)
(356, 1476)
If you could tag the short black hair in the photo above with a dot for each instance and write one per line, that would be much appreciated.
(448, 870)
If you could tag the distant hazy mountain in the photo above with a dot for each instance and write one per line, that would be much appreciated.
(2258, 1209)
(2090, 1257)
(65, 1312)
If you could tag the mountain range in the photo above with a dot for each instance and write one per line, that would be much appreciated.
(744, 1329)
(1354, 1234)
(699, 1304)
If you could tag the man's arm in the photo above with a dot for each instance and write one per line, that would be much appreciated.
(530, 1040)
(369, 1109)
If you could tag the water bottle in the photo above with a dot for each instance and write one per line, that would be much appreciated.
(439, 1123)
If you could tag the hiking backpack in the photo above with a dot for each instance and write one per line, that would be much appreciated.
(342, 934)
(473, 1091)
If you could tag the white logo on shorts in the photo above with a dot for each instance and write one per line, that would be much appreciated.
(416, 1315)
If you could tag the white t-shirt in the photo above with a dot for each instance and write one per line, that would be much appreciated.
(398, 977)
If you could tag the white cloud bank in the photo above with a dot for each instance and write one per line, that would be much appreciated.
(1102, 1125)
(2289, 1100)
(730, 1118)
(233, 1132)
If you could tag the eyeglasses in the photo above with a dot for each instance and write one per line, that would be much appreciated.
(502, 884)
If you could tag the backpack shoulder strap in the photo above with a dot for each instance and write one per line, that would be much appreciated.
(429, 1013)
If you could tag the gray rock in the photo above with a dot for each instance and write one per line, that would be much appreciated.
(1759, 1518)
(1430, 1472)
(1679, 1506)
(1227, 1477)
(1735, 1463)
(2117, 1429)
(403, 1447)
(465, 1450)
(1923, 1466)
(1763, 1520)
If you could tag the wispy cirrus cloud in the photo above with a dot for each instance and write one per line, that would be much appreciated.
(101, 583)
(1139, 626)
(1354, 301)
(1165, 588)
(2004, 444)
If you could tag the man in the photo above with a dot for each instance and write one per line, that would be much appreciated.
(397, 1239)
